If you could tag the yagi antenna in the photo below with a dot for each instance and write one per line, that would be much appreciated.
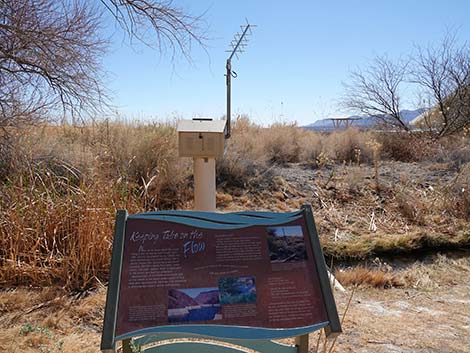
(237, 46)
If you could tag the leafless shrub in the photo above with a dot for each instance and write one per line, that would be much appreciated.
(453, 149)
(350, 145)
(355, 179)
(244, 163)
(281, 143)
(440, 74)
(404, 147)
(375, 91)
(243, 142)
(410, 208)
(460, 154)
(376, 147)
(143, 156)
(236, 172)
(456, 195)
(313, 147)
(443, 73)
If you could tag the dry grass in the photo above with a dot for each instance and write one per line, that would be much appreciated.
(436, 270)
(372, 277)
(284, 143)
(405, 147)
(50, 320)
(410, 208)
(456, 196)
(60, 192)
(443, 270)
(55, 233)
(390, 244)
(58, 202)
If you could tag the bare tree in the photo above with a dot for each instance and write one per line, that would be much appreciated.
(51, 50)
(376, 91)
(443, 74)
(49, 59)
(171, 27)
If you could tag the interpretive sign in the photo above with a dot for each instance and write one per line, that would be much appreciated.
(217, 275)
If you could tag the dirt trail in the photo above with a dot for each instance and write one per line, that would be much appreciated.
(430, 315)
(404, 320)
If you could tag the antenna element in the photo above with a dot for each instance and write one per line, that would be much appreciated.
(237, 46)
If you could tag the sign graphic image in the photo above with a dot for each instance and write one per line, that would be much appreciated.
(286, 244)
(236, 290)
(195, 304)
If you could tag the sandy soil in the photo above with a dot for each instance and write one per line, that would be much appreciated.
(408, 320)
(430, 314)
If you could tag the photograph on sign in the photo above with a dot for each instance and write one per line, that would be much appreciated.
(286, 244)
(193, 304)
(237, 290)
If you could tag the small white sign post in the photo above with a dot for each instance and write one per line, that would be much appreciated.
(203, 139)
(204, 184)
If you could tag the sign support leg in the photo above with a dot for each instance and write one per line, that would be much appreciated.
(204, 184)
(302, 343)
(126, 346)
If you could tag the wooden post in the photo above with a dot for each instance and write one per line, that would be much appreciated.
(126, 346)
(302, 343)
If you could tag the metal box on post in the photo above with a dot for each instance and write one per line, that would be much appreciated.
(201, 137)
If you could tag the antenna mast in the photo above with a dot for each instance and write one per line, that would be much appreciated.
(237, 46)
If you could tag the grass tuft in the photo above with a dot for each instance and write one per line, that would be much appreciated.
(363, 276)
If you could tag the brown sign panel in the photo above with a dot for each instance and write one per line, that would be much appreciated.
(177, 273)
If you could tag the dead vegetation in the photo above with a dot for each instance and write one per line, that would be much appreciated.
(63, 184)
(361, 275)
(432, 294)
(50, 320)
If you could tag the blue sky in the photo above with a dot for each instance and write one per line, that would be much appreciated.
(294, 65)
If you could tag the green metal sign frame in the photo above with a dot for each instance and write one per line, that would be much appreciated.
(214, 338)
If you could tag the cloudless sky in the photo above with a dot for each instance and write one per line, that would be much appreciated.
(294, 65)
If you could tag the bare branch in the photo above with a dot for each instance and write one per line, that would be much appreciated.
(50, 52)
(170, 26)
(443, 72)
(376, 91)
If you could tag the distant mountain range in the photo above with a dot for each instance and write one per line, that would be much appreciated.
(363, 122)
(178, 299)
